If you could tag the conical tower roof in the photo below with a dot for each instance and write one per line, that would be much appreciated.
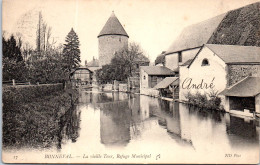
(113, 27)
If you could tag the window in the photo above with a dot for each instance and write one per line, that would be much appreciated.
(144, 77)
(180, 56)
(205, 62)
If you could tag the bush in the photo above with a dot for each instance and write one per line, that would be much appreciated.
(202, 101)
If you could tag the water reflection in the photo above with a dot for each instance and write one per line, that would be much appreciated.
(69, 125)
(115, 123)
(123, 117)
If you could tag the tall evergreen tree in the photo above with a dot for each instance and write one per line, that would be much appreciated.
(12, 49)
(13, 64)
(71, 51)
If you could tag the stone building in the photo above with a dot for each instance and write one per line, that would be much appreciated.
(152, 75)
(217, 67)
(243, 98)
(112, 38)
(236, 27)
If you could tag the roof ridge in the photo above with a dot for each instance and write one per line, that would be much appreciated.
(234, 45)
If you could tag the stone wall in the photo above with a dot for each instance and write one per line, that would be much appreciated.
(108, 87)
(238, 72)
(108, 45)
(122, 88)
(149, 92)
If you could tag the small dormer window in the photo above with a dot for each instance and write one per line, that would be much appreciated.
(205, 62)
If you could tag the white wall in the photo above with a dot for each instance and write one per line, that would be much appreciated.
(171, 61)
(144, 82)
(215, 70)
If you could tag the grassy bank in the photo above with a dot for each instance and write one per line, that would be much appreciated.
(27, 93)
(39, 123)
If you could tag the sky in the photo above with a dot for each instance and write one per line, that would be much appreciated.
(153, 24)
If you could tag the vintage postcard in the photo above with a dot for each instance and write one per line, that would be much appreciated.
(131, 81)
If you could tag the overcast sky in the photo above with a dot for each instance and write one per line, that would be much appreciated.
(154, 24)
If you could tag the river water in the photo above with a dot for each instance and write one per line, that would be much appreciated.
(119, 127)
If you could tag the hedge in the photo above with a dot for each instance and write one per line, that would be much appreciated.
(27, 93)
(42, 123)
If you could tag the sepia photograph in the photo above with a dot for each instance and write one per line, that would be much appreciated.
(131, 81)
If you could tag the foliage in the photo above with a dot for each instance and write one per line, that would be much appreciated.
(14, 70)
(71, 51)
(41, 123)
(13, 95)
(124, 64)
(13, 64)
(202, 101)
(49, 69)
(108, 73)
(12, 49)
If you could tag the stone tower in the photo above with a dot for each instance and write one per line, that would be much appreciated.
(112, 38)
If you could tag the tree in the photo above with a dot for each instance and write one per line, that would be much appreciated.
(124, 64)
(12, 49)
(13, 64)
(48, 69)
(43, 35)
(71, 51)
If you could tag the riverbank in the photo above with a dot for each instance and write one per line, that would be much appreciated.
(37, 123)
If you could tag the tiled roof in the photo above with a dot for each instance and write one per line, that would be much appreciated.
(236, 53)
(158, 70)
(248, 87)
(113, 27)
(166, 82)
(239, 27)
(188, 62)
(236, 27)
(195, 35)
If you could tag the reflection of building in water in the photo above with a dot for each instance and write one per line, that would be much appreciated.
(115, 123)
(85, 97)
(241, 129)
(175, 121)
(144, 107)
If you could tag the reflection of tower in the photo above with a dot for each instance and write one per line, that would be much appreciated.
(112, 38)
(115, 123)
